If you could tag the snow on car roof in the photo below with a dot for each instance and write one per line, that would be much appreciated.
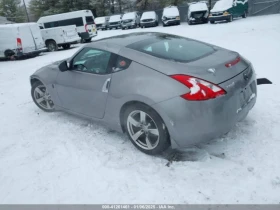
(148, 15)
(222, 5)
(115, 18)
(170, 11)
(130, 15)
(100, 20)
(199, 6)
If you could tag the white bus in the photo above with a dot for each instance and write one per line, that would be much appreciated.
(83, 19)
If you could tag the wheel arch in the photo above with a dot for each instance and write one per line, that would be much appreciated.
(49, 40)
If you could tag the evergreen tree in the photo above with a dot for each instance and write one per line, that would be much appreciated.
(12, 10)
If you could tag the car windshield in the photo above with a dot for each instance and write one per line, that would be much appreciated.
(127, 16)
(173, 48)
(172, 11)
(148, 15)
(115, 18)
(222, 5)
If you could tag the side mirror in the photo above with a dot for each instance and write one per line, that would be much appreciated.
(64, 66)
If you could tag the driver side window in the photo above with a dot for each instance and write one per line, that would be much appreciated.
(92, 61)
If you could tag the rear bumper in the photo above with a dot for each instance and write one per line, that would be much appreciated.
(219, 18)
(192, 122)
(71, 41)
(86, 35)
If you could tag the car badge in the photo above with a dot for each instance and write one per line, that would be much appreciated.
(212, 70)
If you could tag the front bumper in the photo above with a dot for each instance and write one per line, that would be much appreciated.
(192, 122)
(128, 25)
(171, 22)
(219, 18)
(114, 26)
(147, 24)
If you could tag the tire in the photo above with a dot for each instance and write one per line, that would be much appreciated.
(230, 19)
(153, 129)
(46, 104)
(244, 15)
(212, 22)
(52, 46)
(179, 23)
(66, 46)
(189, 22)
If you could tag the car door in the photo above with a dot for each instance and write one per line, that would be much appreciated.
(84, 88)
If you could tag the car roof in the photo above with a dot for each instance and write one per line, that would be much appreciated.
(127, 39)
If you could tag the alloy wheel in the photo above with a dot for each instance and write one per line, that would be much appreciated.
(143, 130)
(43, 98)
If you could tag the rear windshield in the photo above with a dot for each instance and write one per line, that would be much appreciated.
(89, 20)
(173, 48)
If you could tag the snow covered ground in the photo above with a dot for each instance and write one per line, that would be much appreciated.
(58, 158)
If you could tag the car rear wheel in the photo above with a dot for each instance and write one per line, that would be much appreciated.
(41, 97)
(212, 22)
(52, 46)
(230, 19)
(145, 129)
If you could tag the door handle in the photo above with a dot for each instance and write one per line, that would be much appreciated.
(106, 85)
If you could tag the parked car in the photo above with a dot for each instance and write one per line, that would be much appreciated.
(60, 37)
(83, 19)
(198, 13)
(170, 16)
(160, 89)
(101, 23)
(226, 10)
(149, 19)
(130, 20)
(22, 39)
(115, 22)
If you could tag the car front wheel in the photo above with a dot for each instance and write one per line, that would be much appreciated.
(41, 97)
(146, 129)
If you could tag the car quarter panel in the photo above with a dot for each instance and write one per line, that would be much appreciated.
(141, 84)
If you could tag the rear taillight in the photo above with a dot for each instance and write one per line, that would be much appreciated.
(199, 89)
(19, 44)
(232, 63)
(86, 27)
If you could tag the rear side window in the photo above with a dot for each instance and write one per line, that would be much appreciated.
(122, 63)
(173, 48)
(89, 20)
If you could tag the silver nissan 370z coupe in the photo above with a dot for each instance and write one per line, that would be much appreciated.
(160, 89)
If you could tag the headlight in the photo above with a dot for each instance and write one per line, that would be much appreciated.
(225, 13)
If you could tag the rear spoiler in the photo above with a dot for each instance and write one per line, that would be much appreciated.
(263, 81)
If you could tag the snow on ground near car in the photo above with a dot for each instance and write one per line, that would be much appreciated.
(58, 158)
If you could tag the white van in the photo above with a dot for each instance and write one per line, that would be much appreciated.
(23, 39)
(83, 19)
(130, 20)
(170, 16)
(115, 21)
(60, 37)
